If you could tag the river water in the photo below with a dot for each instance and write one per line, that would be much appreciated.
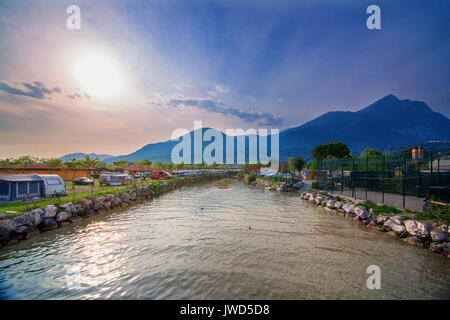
(219, 241)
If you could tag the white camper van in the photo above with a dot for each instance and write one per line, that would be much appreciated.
(53, 184)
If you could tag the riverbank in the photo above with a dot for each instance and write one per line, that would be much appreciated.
(52, 216)
(270, 185)
(426, 234)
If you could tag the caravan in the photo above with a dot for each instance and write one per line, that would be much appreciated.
(53, 184)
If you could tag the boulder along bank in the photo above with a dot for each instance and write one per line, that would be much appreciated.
(274, 186)
(425, 234)
(52, 217)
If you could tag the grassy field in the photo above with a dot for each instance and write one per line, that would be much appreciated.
(74, 192)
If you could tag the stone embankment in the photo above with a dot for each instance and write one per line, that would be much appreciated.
(425, 234)
(275, 186)
(51, 217)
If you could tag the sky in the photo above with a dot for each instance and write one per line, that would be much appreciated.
(138, 70)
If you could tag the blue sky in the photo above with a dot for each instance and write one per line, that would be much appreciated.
(231, 64)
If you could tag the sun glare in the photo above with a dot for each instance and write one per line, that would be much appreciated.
(98, 75)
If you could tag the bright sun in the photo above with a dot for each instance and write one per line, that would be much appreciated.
(98, 75)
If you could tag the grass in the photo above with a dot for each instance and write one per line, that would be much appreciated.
(385, 209)
(368, 204)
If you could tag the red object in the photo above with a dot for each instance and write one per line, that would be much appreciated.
(160, 174)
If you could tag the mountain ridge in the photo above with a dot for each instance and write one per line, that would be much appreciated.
(384, 123)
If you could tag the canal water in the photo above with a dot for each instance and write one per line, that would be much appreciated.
(223, 240)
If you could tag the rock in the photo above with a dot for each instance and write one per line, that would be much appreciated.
(348, 208)
(414, 240)
(440, 247)
(337, 204)
(330, 204)
(399, 229)
(439, 236)
(63, 216)
(21, 230)
(382, 219)
(66, 206)
(397, 219)
(3, 216)
(362, 213)
(32, 231)
(107, 205)
(37, 216)
(435, 247)
(26, 219)
(50, 211)
(5, 235)
(48, 224)
(418, 228)
(98, 206)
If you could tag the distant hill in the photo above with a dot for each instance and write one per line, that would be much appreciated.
(161, 151)
(80, 156)
(389, 124)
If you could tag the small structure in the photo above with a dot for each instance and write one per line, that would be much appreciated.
(14, 187)
(417, 153)
(53, 184)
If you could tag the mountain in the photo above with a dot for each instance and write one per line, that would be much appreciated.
(80, 156)
(162, 151)
(387, 122)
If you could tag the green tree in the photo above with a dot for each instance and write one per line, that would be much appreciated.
(371, 153)
(296, 163)
(313, 165)
(6, 163)
(24, 160)
(331, 150)
(121, 163)
(53, 162)
(159, 164)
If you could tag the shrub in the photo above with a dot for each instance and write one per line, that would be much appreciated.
(251, 178)
(436, 213)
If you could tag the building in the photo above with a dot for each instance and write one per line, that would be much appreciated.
(417, 153)
(14, 187)
(67, 174)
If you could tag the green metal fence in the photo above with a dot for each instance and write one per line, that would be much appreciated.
(399, 181)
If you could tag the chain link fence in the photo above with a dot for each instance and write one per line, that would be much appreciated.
(397, 181)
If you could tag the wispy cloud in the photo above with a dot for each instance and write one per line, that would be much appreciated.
(36, 89)
(261, 118)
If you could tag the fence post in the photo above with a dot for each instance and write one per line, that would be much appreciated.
(26, 201)
(73, 192)
(403, 180)
(382, 185)
(367, 174)
(418, 178)
(439, 169)
(342, 176)
(431, 168)
(353, 178)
